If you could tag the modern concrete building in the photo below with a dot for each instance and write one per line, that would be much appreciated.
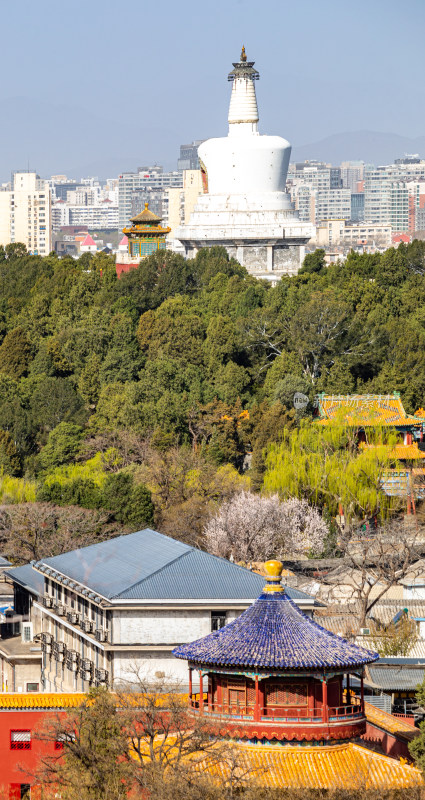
(333, 204)
(245, 206)
(181, 203)
(20, 653)
(189, 159)
(333, 232)
(25, 213)
(147, 185)
(125, 603)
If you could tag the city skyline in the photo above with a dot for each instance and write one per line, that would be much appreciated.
(107, 104)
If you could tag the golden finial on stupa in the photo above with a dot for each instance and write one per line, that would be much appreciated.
(273, 576)
(243, 54)
(146, 206)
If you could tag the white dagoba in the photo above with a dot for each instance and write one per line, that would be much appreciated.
(245, 206)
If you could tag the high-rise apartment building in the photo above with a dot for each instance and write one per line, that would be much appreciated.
(351, 174)
(189, 158)
(333, 204)
(392, 193)
(357, 206)
(147, 185)
(25, 213)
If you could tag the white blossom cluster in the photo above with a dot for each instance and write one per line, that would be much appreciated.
(252, 527)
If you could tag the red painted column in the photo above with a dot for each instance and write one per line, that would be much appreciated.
(261, 698)
(311, 698)
(210, 692)
(190, 686)
(220, 695)
(362, 692)
(201, 693)
(257, 713)
(348, 690)
(325, 710)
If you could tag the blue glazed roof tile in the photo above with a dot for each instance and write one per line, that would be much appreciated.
(274, 634)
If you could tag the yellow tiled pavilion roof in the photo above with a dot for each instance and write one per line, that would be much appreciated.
(399, 452)
(390, 723)
(41, 700)
(365, 410)
(347, 766)
(146, 216)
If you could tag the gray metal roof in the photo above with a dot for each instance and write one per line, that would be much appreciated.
(150, 566)
(28, 578)
(4, 562)
(396, 678)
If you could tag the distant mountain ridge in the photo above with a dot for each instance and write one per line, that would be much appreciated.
(59, 138)
(372, 147)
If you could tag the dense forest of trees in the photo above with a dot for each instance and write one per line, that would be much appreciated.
(151, 399)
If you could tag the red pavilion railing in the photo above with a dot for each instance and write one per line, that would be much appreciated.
(294, 714)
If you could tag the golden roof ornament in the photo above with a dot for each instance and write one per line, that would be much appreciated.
(243, 54)
(273, 571)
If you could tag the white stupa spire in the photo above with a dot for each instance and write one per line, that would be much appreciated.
(243, 109)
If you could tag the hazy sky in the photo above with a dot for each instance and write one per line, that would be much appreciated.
(146, 76)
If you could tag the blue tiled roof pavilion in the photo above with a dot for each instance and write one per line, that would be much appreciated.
(275, 634)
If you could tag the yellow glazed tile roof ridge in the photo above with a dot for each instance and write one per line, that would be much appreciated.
(332, 748)
(389, 722)
(366, 410)
(339, 766)
(41, 699)
(398, 451)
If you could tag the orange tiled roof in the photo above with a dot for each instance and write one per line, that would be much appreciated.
(338, 766)
(389, 723)
(365, 410)
(400, 452)
(41, 700)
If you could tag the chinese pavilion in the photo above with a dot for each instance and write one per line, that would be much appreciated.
(278, 684)
(145, 237)
(367, 411)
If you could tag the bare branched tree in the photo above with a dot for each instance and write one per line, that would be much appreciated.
(40, 530)
(377, 562)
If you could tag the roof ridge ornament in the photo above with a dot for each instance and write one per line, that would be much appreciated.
(243, 54)
(273, 576)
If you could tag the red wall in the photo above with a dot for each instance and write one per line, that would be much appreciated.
(120, 268)
(388, 743)
(15, 763)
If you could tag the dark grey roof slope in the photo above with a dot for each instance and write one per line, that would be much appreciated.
(396, 679)
(150, 566)
(27, 577)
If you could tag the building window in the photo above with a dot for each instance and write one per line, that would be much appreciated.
(20, 740)
(33, 687)
(218, 620)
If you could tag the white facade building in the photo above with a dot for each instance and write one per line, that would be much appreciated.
(25, 213)
(127, 602)
(246, 207)
(102, 216)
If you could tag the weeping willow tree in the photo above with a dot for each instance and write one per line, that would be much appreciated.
(325, 465)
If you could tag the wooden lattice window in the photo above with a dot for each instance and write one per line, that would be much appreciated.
(250, 693)
(280, 695)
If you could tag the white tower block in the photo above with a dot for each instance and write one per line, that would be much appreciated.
(247, 208)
